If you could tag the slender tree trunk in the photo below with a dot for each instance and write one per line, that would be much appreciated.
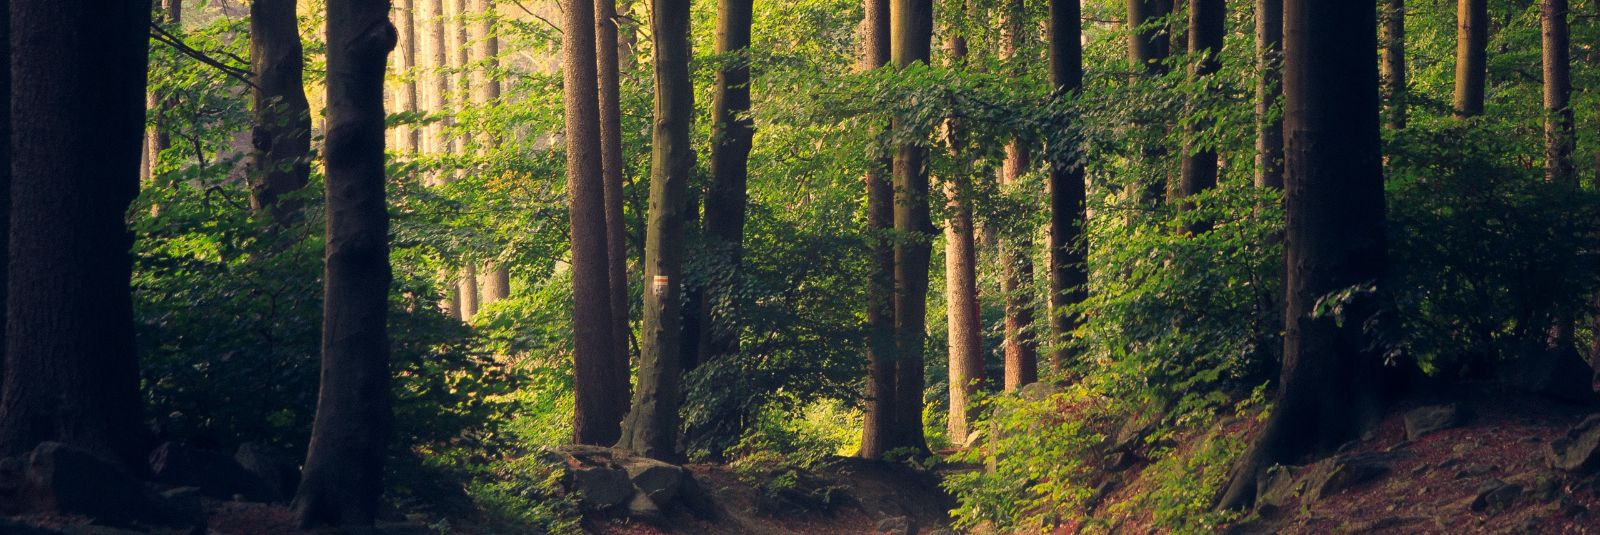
(1067, 188)
(651, 428)
(1021, 348)
(1269, 93)
(77, 88)
(461, 51)
(597, 379)
(405, 18)
(1148, 42)
(157, 138)
(438, 81)
(606, 54)
(1198, 168)
(467, 291)
(1395, 90)
(1472, 43)
(877, 436)
(731, 134)
(343, 475)
(961, 283)
(282, 134)
(1335, 235)
(493, 279)
(1558, 124)
(911, 35)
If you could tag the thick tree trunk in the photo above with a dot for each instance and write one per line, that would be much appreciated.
(467, 291)
(1198, 168)
(1149, 43)
(1016, 264)
(613, 175)
(1335, 235)
(651, 428)
(343, 475)
(1269, 92)
(911, 35)
(1558, 127)
(282, 134)
(877, 436)
(77, 89)
(405, 18)
(157, 138)
(731, 135)
(1472, 43)
(961, 284)
(597, 380)
(1395, 86)
(1067, 188)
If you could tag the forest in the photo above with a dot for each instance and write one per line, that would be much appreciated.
(801, 267)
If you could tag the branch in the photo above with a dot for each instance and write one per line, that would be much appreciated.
(243, 75)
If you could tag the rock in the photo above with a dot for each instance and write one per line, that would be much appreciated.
(1338, 474)
(1101, 491)
(1546, 488)
(642, 508)
(1121, 460)
(1558, 373)
(62, 479)
(1133, 431)
(216, 475)
(600, 487)
(1579, 450)
(699, 501)
(657, 480)
(1275, 491)
(1474, 470)
(181, 507)
(1421, 421)
(897, 525)
(1038, 391)
(1495, 496)
(281, 476)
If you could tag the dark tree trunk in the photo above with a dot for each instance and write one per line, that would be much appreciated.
(282, 134)
(1198, 168)
(77, 89)
(651, 428)
(1149, 45)
(1558, 127)
(731, 135)
(5, 180)
(613, 175)
(878, 426)
(911, 41)
(598, 381)
(343, 475)
(1395, 90)
(1472, 43)
(1269, 92)
(1335, 235)
(1068, 272)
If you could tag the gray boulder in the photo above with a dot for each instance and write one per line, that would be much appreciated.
(600, 487)
(1495, 496)
(1344, 472)
(642, 508)
(897, 525)
(61, 479)
(1422, 421)
(1579, 450)
(217, 475)
(659, 481)
(281, 476)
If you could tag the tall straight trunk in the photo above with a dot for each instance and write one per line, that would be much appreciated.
(77, 87)
(282, 133)
(1269, 92)
(1472, 43)
(1558, 127)
(438, 61)
(911, 36)
(405, 18)
(1395, 90)
(613, 175)
(493, 279)
(343, 475)
(1067, 187)
(1198, 168)
(731, 135)
(1148, 42)
(597, 380)
(460, 54)
(651, 428)
(467, 291)
(1016, 266)
(961, 284)
(5, 179)
(158, 138)
(1335, 235)
(877, 435)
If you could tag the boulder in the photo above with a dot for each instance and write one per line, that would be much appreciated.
(1421, 421)
(181, 507)
(1343, 472)
(1495, 496)
(643, 509)
(217, 475)
(699, 500)
(280, 475)
(1557, 373)
(1038, 391)
(600, 487)
(657, 480)
(61, 479)
(1275, 491)
(897, 525)
(1579, 450)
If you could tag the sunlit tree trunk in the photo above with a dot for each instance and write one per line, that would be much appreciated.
(157, 138)
(1067, 188)
(1016, 264)
(1472, 42)
(493, 279)
(1198, 168)
(607, 52)
(911, 35)
(961, 282)
(282, 134)
(437, 84)
(877, 435)
(405, 18)
(651, 428)
(1395, 90)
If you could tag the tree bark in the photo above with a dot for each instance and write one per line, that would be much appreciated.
(877, 436)
(614, 174)
(1395, 86)
(467, 291)
(1472, 42)
(1269, 92)
(77, 89)
(1198, 168)
(1067, 188)
(405, 19)
(1016, 266)
(1335, 236)
(651, 428)
(732, 134)
(282, 134)
(438, 82)
(157, 139)
(597, 379)
(911, 35)
(1558, 123)
(1148, 42)
(965, 328)
(494, 280)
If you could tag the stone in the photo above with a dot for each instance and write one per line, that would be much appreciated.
(642, 508)
(217, 475)
(657, 480)
(600, 487)
(897, 525)
(1557, 373)
(1474, 470)
(1038, 391)
(1579, 450)
(1343, 472)
(1546, 488)
(1495, 496)
(181, 507)
(1421, 421)
(62, 479)
(698, 500)
(1275, 491)
(281, 476)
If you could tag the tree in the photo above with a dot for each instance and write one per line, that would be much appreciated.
(1394, 64)
(1207, 26)
(1334, 235)
(467, 275)
(961, 282)
(651, 428)
(1472, 43)
(731, 134)
(596, 378)
(496, 281)
(343, 474)
(613, 173)
(1558, 127)
(157, 138)
(1067, 185)
(405, 18)
(1016, 267)
(911, 41)
(1269, 91)
(282, 134)
(78, 88)
(1149, 43)
(434, 141)
(878, 430)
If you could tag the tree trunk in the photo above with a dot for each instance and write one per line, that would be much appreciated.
(157, 139)
(961, 284)
(613, 174)
(405, 18)
(343, 475)
(911, 35)
(877, 436)
(597, 379)
(494, 280)
(1021, 350)
(1148, 46)
(467, 291)
(1335, 235)
(282, 134)
(1067, 188)
(438, 82)
(1198, 168)
(1558, 127)
(1395, 90)
(651, 428)
(78, 88)
(461, 50)
(1472, 42)
(731, 134)
(1269, 92)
